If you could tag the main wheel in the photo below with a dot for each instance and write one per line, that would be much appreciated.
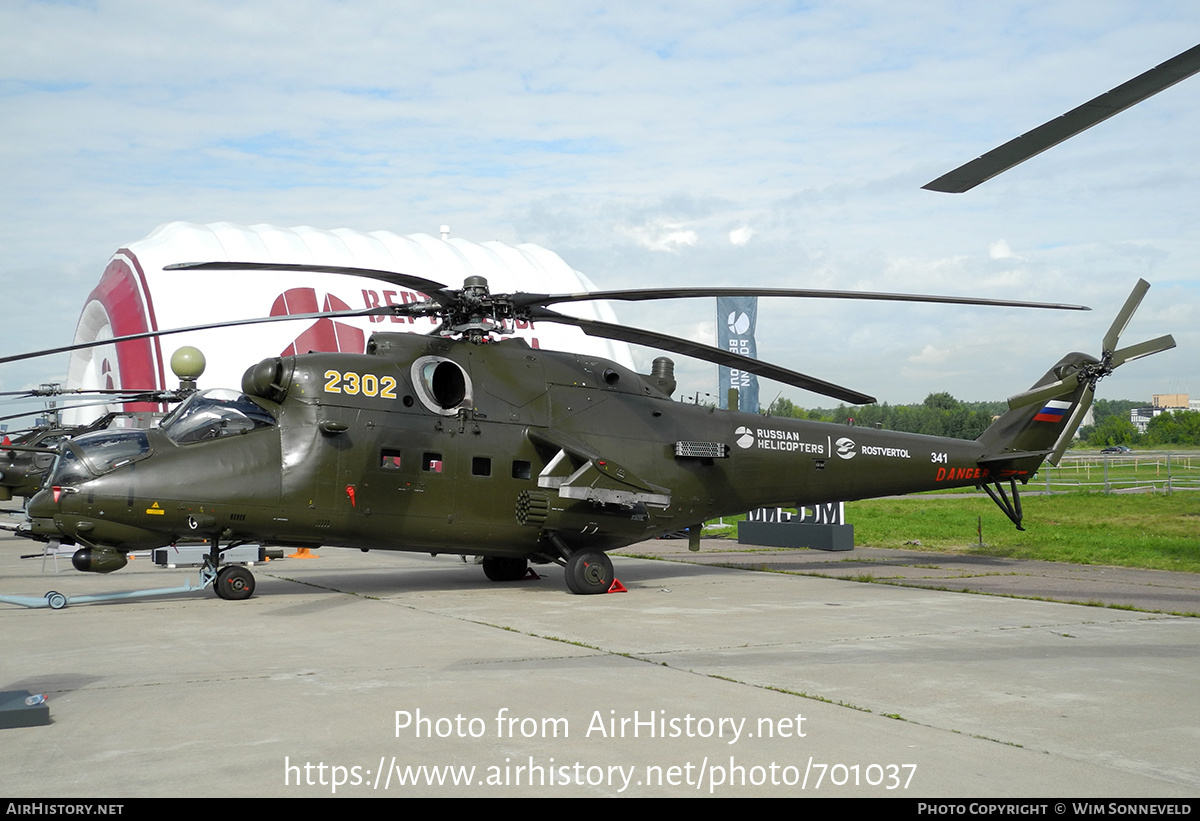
(504, 568)
(234, 583)
(589, 571)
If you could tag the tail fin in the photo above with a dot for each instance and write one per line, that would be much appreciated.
(1042, 420)
(1042, 423)
(1034, 428)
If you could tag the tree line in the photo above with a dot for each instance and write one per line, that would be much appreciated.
(939, 415)
(943, 415)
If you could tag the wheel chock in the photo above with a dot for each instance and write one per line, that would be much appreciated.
(617, 587)
(531, 575)
(303, 553)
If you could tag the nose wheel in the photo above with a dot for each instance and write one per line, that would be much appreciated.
(234, 583)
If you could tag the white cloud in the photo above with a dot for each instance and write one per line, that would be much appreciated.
(740, 236)
(930, 355)
(1000, 250)
(661, 236)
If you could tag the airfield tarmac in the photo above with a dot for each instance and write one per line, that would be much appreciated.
(700, 680)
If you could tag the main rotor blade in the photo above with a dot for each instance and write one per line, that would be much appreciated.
(1068, 433)
(1124, 315)
(436, 291)
(1037, 395)
(26, 449)
(521, 300)
(37, 393)
(708, 353)
(384, 310)
(44, 411)
(153, 398)
(1150, 346)
(1094, 111)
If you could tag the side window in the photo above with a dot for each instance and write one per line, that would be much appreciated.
(481, 466)
(432, 462)
(389, 459)
(521, 469)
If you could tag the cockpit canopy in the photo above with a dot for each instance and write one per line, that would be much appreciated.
(94, 454)
(213, 414)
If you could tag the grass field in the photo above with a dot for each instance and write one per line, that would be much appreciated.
(1155, 531)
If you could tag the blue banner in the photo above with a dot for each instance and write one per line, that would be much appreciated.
(736, 318)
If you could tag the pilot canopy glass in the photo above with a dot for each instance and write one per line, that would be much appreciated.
(95, 454)
(214, 414)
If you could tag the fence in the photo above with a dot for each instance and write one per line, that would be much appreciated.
(1160, 471)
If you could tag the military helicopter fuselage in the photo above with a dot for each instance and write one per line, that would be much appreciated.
(459, 443)
(23, 471)
(449, 446)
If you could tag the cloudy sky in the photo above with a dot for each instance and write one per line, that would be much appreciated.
(647, 143)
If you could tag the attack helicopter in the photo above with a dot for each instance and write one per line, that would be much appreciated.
(465, 442)
(468, 441)
(27, 455)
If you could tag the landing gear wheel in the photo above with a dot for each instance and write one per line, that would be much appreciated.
(504, 568)
(234, 583)
(589, 571)
(56, 600)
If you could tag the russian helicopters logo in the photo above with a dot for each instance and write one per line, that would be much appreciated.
(774, 439)
(739, 323)
(845, 447)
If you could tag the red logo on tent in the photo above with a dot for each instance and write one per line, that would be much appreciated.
(324, 334)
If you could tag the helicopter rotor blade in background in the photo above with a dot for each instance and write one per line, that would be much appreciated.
(708, 353)
(38, 393)
(1045, 136)
(122, 398)
(42, 411)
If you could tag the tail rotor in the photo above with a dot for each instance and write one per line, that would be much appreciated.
(1089, 371)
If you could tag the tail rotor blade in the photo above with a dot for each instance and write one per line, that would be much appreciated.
(1068, 433)
(1038, 395)
(1124, 315)
(1150, 346)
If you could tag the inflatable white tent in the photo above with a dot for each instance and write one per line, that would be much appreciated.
(136, 295)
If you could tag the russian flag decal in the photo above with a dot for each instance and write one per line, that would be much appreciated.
(1054, 411)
